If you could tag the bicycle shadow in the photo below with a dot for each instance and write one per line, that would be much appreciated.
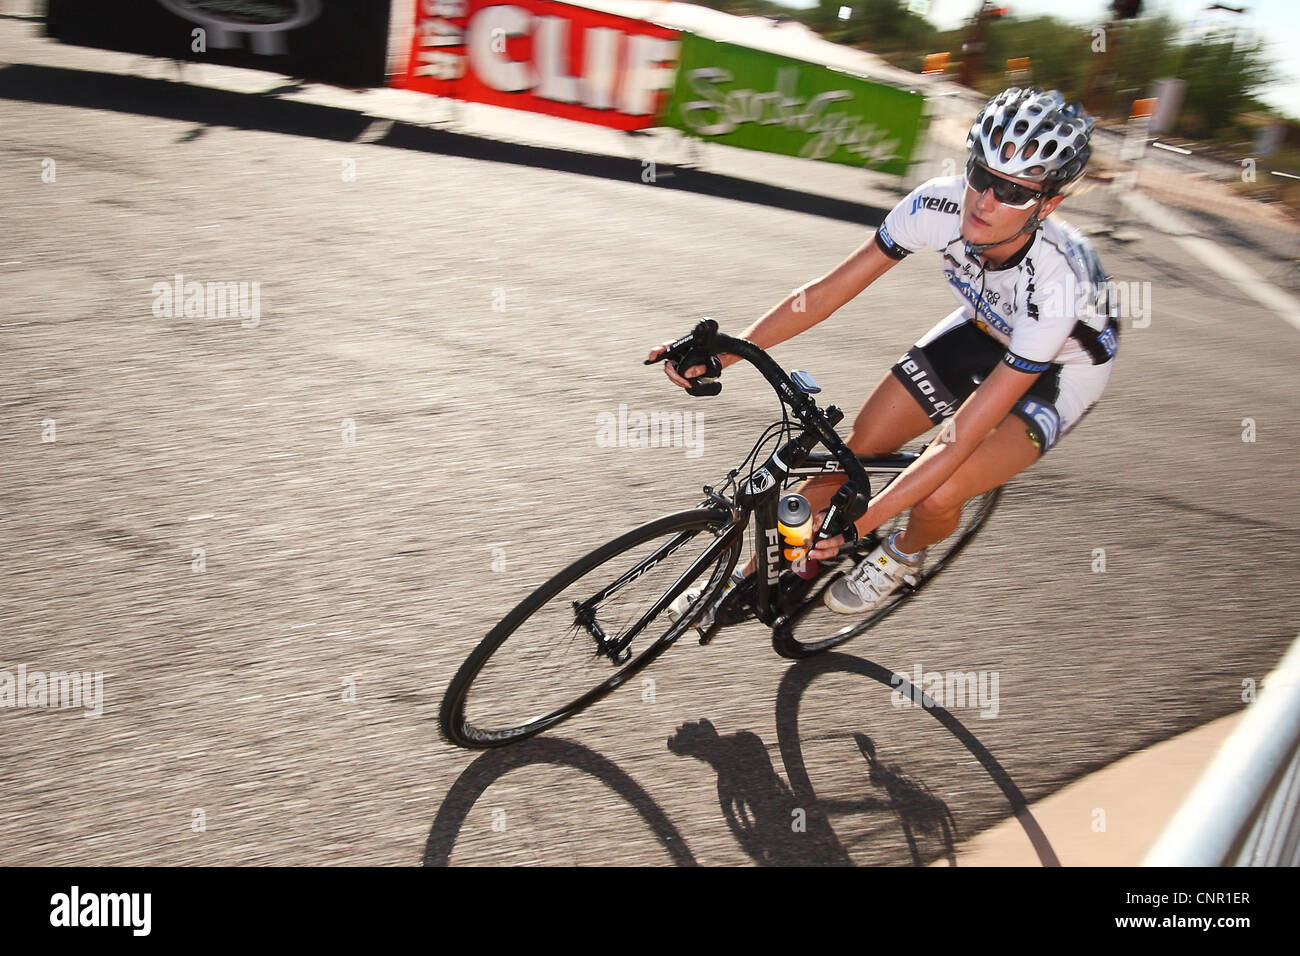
(774, 822)
(778, 827)
(763, 811)
(494, 764)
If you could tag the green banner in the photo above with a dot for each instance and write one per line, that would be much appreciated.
(755, 100)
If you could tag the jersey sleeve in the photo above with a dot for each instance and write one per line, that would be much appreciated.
(925, 219)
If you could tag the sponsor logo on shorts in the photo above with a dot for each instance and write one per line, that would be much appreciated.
(920, 380)
(1108, 340)
(1046, 418)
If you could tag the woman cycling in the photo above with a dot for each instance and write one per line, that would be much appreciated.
(1025, 355)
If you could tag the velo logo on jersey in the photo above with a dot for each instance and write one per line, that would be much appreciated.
(937, 203)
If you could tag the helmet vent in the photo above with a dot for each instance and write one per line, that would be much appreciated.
(1019, 127)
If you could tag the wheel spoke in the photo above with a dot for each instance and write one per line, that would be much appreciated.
(542, 662)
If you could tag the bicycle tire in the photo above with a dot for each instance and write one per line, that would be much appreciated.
(459, 727)
(812, 618)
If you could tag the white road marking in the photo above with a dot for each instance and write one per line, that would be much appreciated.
(1246, 279)
(1216, 257)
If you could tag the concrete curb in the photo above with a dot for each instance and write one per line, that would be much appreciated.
(1133, 799)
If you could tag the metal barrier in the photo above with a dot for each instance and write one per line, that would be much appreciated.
(1245, 809)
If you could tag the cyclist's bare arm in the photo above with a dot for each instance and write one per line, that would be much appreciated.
(806, 306)
(986, 408)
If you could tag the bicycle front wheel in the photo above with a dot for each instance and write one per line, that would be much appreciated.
(551, 656)
(813, 628)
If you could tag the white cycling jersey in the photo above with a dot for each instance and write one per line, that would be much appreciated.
(1048, 304)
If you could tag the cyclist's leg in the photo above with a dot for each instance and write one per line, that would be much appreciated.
(1008, 450)
(1056, 403)
(926, 384)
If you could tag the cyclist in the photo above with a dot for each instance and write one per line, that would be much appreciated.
(1015, 367)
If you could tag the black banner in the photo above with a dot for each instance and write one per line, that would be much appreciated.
(344, 42)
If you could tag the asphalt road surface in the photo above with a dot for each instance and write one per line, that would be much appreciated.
(278, 537)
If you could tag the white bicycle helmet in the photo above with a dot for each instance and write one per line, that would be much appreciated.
(1032, 134)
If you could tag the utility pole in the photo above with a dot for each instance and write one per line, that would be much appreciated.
(973, 48)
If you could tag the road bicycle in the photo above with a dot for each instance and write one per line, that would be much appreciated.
(603, 619)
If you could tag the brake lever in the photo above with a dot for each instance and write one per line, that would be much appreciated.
(845, 508)
(700, 336)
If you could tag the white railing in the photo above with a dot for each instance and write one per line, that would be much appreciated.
(1245, 809)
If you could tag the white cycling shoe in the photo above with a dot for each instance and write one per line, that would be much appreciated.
(877, 576)
(689, 597)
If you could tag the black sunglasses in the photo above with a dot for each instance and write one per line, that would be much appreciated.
(1010, 194)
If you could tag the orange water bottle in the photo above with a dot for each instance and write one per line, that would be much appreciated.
(794, 521)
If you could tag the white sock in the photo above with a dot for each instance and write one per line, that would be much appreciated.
(909, 558)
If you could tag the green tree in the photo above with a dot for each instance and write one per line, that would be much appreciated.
(1057, 51)
(1220, 77)
(875, 25)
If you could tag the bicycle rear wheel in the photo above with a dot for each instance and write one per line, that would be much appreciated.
(813, 628)
(542, 663)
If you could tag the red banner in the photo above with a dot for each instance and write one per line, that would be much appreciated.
(542, 56)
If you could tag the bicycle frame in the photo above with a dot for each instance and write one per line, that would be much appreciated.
(771, 604)
(757, 497)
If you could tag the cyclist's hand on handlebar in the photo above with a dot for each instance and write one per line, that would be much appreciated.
(695, 371)
(828, 548)
(684, 370)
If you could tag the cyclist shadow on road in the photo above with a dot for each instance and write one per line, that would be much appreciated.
(766, 817)
(777, 828)
(787, 824)
(775, 823)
